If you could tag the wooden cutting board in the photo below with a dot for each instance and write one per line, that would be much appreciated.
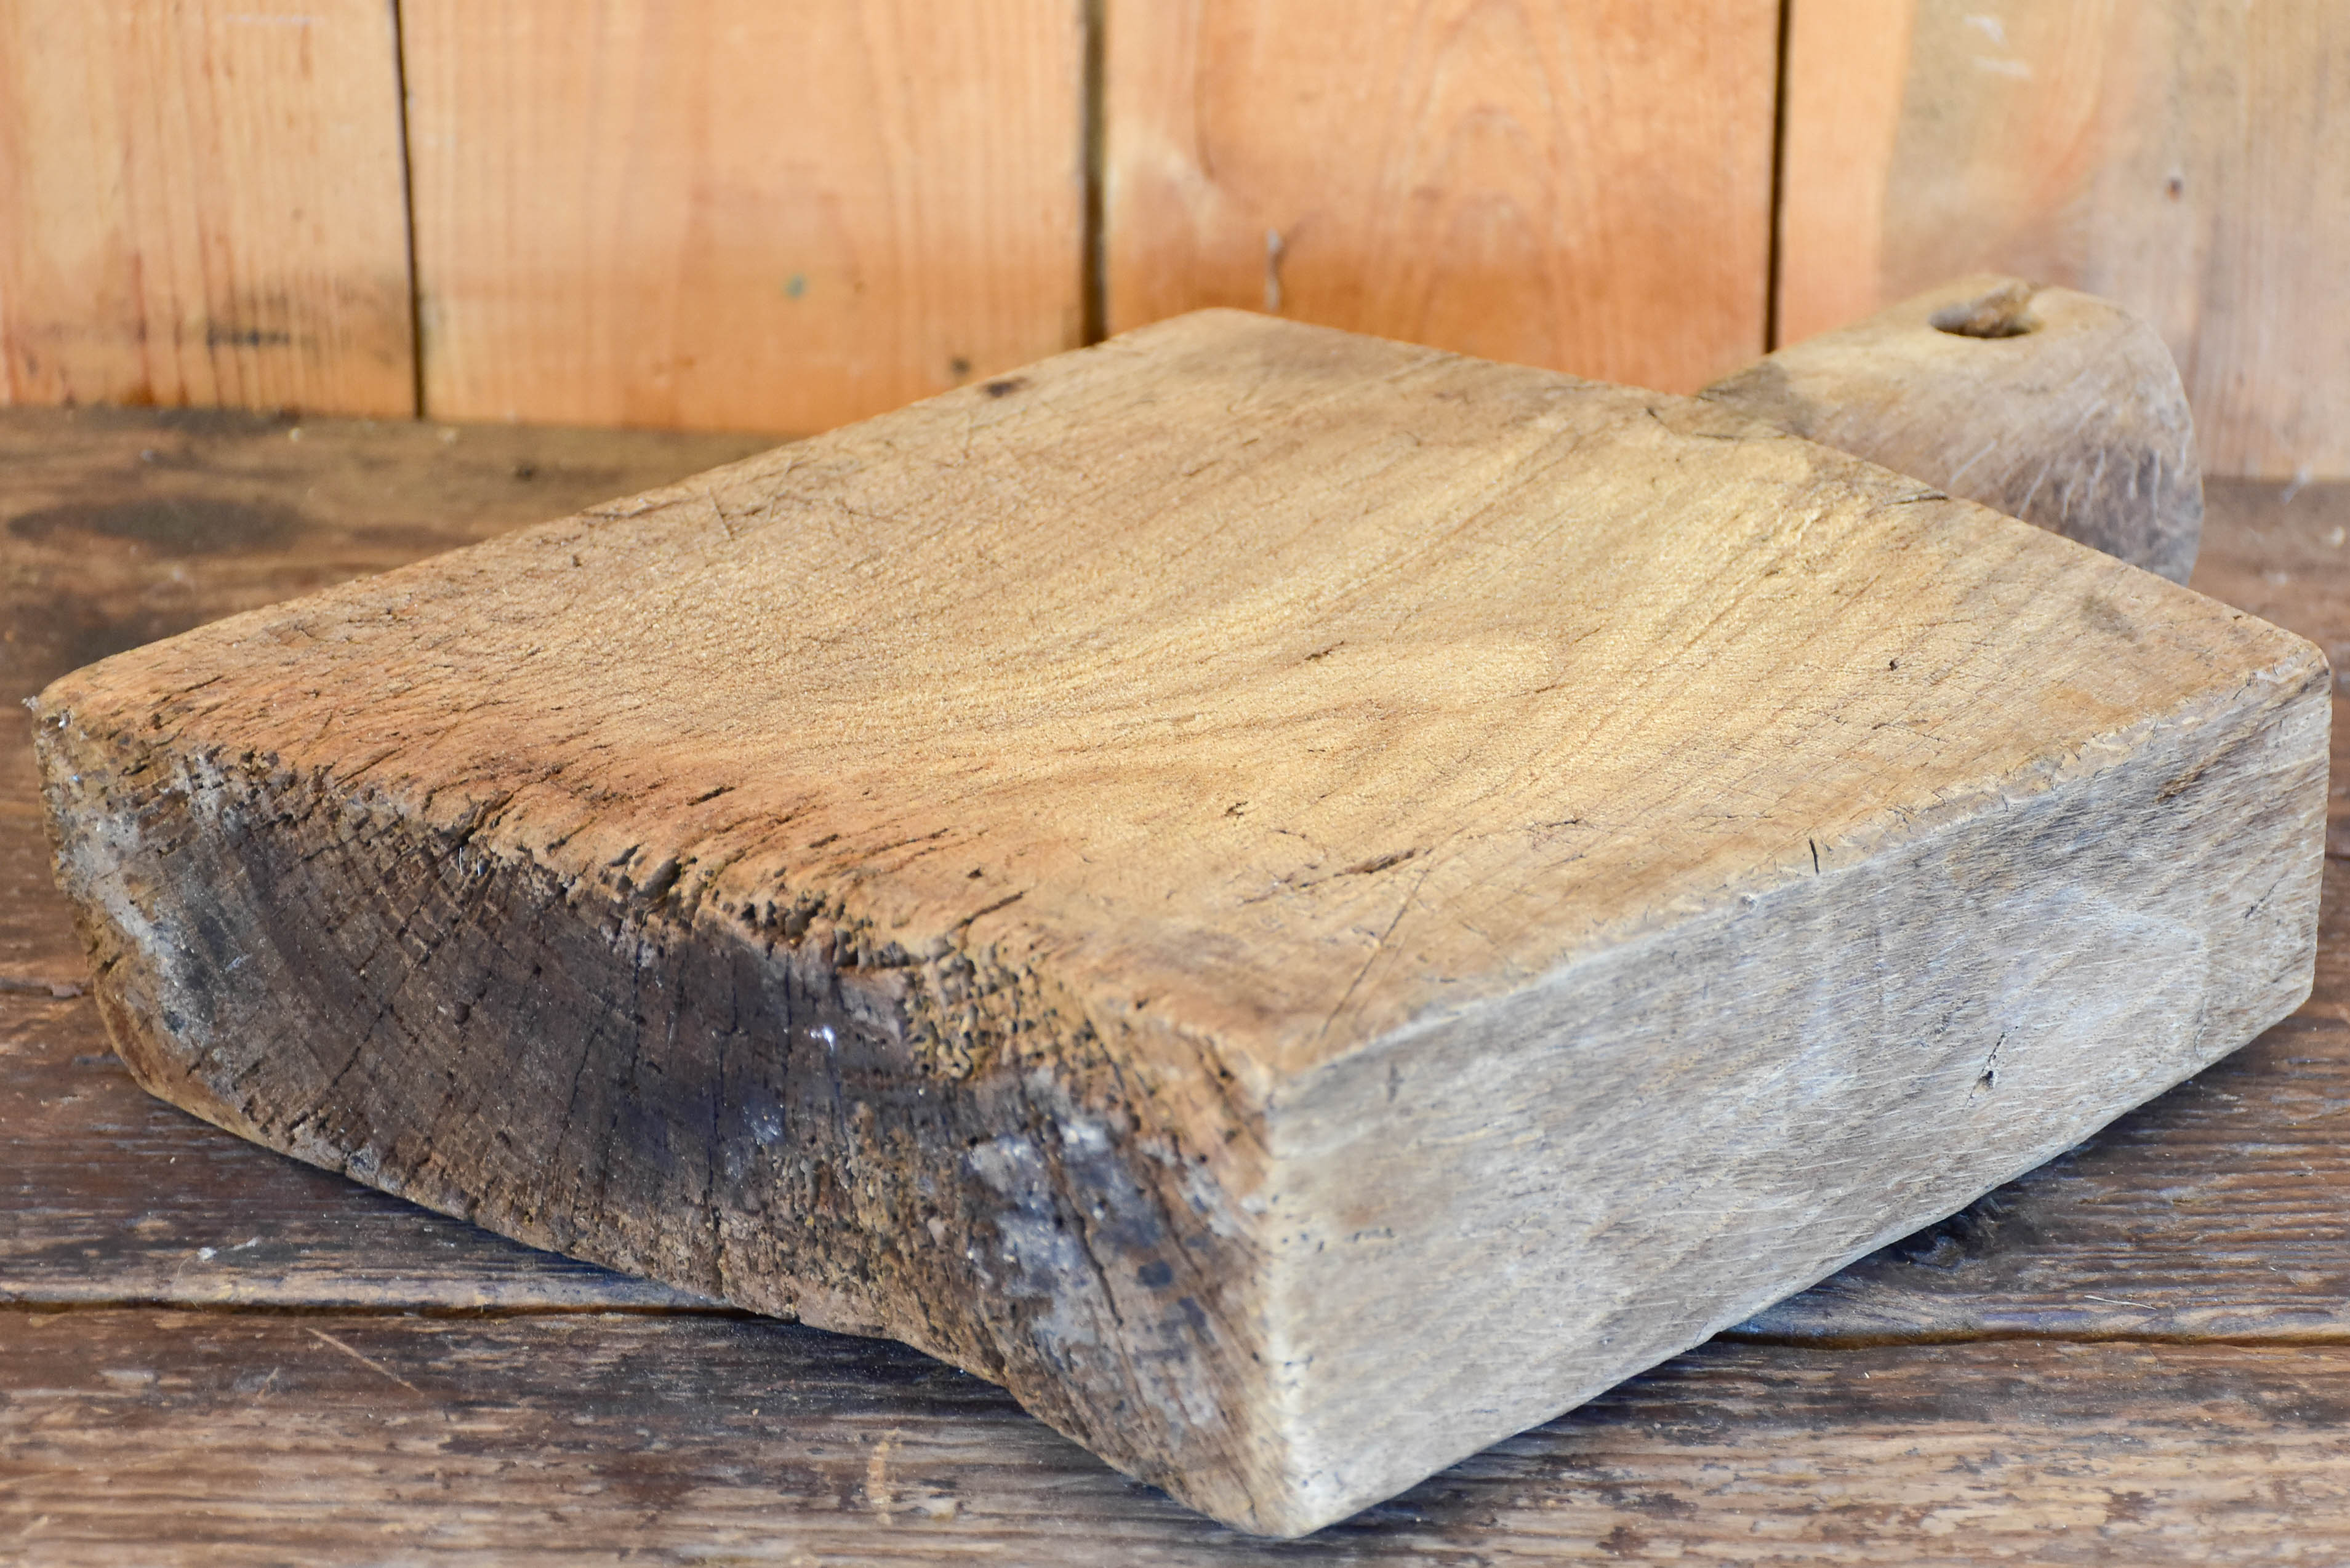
(1303, 903)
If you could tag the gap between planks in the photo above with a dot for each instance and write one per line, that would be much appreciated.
(1916, 1339)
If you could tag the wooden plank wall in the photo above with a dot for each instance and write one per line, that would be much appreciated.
(717, 213)
(1551, 181)
(730, 213)
(201, 203)
(2189, 158)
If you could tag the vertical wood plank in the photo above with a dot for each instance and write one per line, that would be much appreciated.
(2185, 158)
(203, 202)
(1845, 63)
(1576, 183)
(2271, 368)
(724, 213)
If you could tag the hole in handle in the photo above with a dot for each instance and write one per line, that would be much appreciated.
(2004, 312)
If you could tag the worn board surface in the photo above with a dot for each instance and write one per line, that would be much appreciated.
(1585, 186)
(204, 202)
(2182, 158)
(2217, 1209)
(2041, 403)
(682, 965)
(735, 215)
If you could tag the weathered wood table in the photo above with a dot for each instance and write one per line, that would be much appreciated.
(209, 1355)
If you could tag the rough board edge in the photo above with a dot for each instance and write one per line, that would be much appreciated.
(1378, 1372)
(1077, 1224)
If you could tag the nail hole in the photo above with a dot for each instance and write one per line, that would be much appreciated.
(2004, 312)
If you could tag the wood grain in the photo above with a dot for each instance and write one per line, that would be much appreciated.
(2041, 403)
(2218, 1205)
(325, 1438)
(1164, 1119)
(1585, 186)
(203, 204)
(2180, 159)
(1847, 63)
(113, 1195)
(728, 215)
(119, 526)
(2213, 1211)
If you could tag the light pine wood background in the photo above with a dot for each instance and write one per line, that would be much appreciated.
(733, 212)
(2189, 158)
(1554, 183)
(722, 214)
(201, 203)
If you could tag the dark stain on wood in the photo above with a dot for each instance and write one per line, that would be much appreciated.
(169, 524)
(764, 1088)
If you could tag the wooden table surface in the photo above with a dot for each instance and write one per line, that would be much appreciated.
(2139, 1354)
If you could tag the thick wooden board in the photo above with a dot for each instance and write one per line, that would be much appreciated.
(113, 1195)
(1114, 1081)
(1585, 186)
(2214, 1211)
(330, 1438)
(729, 215)
(203, 203)
(2226, 1195)
(2183, 159)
